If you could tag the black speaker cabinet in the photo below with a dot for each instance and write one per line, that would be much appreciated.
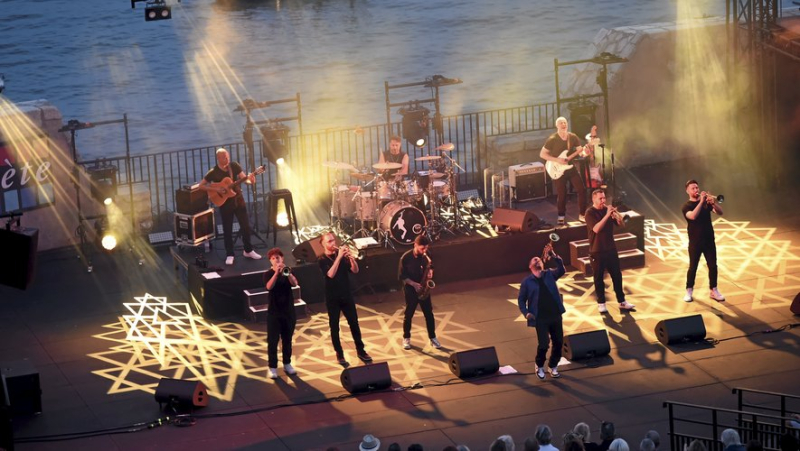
(476, 362)
(19, 257)
(681, 330)
(586, 345)
(181, 393)
(6, 428)
(190, 201)
(796, 305)
(514, 220)
(357, 379)
(21, 383)
(309, 250)
(194, 229)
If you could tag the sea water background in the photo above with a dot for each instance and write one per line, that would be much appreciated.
(179, 80)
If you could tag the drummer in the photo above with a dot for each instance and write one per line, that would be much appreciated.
(395, 155)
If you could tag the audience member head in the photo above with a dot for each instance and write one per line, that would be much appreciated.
(498, 445)
(415, 447)
(730, 437)
(508, 440)
(462, 448)
(583, 430)
(696, 445)
(653, 435)
(607, 431)
(754, 445)
(618, 445)
(789, 442)
(531, 444)
(647, 445)
(369, 443)
(573, 441)
(449, 448)
(395, 447)
(543, 434)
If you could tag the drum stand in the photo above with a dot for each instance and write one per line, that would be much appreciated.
(362, 232)
(337, 225)
(458, 222)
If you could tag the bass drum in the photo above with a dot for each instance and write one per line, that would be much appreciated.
(402, 221)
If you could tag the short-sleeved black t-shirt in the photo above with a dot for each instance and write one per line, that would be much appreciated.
(215, 174)
(700, 229)
(281, 301)
(603, 241)
(337, 288)
(556, 145)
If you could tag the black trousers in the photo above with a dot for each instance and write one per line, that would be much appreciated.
(235, 207)
(602, 262)
(348, 308)
(549, 329)
(561, 189)
(411, 307)
(709, 250)
(280, 328)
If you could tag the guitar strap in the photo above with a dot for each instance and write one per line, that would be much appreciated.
(230, 173)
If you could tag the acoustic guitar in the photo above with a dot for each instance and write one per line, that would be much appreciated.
(229, 187)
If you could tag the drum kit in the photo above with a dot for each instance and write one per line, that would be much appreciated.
(395, 209)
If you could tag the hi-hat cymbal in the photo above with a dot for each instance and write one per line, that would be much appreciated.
(428, 158)
(386, 166)
(337, 165)
(446, 147)
(364, 176)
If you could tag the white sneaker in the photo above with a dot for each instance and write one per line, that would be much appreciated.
(289, 369)
(554, 372)
(406, 343)
(716, 295)
(435, 343)
(252, 255)
(540, 372)
(626, 306)
(582, 218)
(688, 296)
(273, 373)
(602, 308)
(229, 261)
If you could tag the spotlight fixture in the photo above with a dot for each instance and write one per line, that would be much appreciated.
(105, 237)
(416, 124)
(104, 183)
(155, 9)
(275, 137)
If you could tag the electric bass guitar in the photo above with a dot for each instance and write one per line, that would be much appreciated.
(229, 187)
(556, 170)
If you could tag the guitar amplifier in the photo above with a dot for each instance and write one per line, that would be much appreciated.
(528, 181)
(194, 229)
(190, 200)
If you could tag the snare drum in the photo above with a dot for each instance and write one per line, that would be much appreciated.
(343, 205)
(366, 206)
(385, 190)
(402, 221)
(409, 190)
(441, 189)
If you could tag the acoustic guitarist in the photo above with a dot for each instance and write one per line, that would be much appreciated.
(559, 149)
(233, 205)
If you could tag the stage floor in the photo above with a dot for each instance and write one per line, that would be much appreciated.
(102, 341)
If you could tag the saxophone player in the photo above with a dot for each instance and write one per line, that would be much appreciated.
(336, 265)
(416, 269)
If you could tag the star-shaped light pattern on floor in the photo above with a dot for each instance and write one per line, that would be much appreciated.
(164, 339)
(753, 265)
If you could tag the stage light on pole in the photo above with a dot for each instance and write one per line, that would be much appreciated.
(105, 236)
(416, 124)
(104, 183)
(275, 137)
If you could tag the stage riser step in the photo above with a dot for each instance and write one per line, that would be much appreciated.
(258, 313)
(257, 303)
(630, 259)
(624, 242)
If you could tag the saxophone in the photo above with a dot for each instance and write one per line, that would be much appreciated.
(426, 282)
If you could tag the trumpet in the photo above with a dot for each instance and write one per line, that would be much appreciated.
(548, 252)
(286, 271)
(620, 217)
(718, 198)
(352, 252)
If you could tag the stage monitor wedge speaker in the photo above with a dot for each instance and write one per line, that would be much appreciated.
(514, 220)
(586, 345)
(17, 267)
(473, 363)
(21, 389)
(311, 250)
(366, 378)
(181, 393)
(681, 330)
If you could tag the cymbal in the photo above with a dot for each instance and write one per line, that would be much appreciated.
(362, 175)
(386, 166)
(428, 158)
(337, 165)
(438, 175)
(446, 147)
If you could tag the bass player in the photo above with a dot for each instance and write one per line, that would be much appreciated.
(559, 149)
(233, 205)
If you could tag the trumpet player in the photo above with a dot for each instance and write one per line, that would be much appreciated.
(541, 304)
(600, 220)
(337, 263)
(281, 318)
(697, 211)
(415, 268)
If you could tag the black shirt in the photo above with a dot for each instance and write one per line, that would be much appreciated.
(556, 145)
(281, 300)
(603, 241)
(700, 229)
(337, 288)
(215, 175)
(548, 307)
(389, 157)
(412, 267)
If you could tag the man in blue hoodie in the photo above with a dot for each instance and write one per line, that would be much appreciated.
(541, 304)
